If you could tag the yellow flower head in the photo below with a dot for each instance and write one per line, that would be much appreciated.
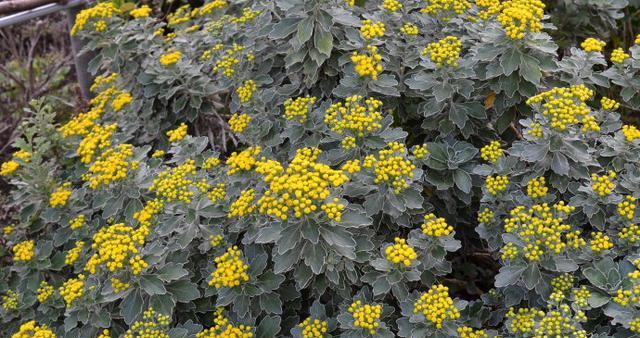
(400, 253)
(169, 59)
(44, 291)
(496, 184)
(600, 242)
(245, 92)
(520, 16)
(102, 10)
(491, 152)
(242, 161)
(436, 226)
(593, 45)
(445, 9)
(603, 185)
(239, 122)
(537, 188)
(365, 316)
(371, 30)
(444, 52)
(72, 289)
(618, 56)
(436, 306)
(32, 330)
(112, 165)
(299, 108)
(141, 12)
(566, 106)
(367, 64)
(177, 134)
(9, 168)
(230, 269)
(315, 328)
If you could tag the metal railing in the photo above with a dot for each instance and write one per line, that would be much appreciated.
(71, 8)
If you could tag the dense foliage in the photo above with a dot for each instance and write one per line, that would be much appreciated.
(400, 168)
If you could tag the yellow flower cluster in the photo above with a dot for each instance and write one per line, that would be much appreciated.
(209, 7)
(313, 328)
(488, 8)
(230, 269)
(491, 152)
(24, 155)
(177, 134)
(367, 64)
(467, 332)
(365, 316)
(73, 254)
(211, 163)
(560, 285)
(444, 52)
(175, 184)
(333, 210)
(524, 320)
(228, 60)
(112, 165)
(217, 193)
(634, 325)
(101, 11)
(158, 153)
(352, 116)
(243, 205)
(448, 8)
(300, 187)
(348, 142)
(618, 56)
(239, 122)
(609, 104)
(8, 229)
(9, 168)
(146, 214)
(496, 184)
(72, 289)
(372, 30)
(537, 188)
(152, 325)
(24, 251)
(351, 166)
(44, 291)
(400, 252)
(509, 252)
(98, 138)
(32, 330)
(581, 296)
(631, 133)
(137, 264)
(141, 12)
(565, 106)
(485, 216)
(245, 92)
(105, 334)
(299, 108)
(593, 45)
(603, 185)
(420, 151)
(121, 100)
(243, 161)
(436, 305)
(391, 5)
(83, 123)
(10, 301)
(115, 244)
(223, 328)
(535, 130)
(169, 59)
(600, 242)
(216, 240)
(520, 16)
(391, 166)
(436, 226)
(409, 29)
(180, 15)
(627, 207)
(542, 229)
(630, 234)
(60, 195)
(118, 285)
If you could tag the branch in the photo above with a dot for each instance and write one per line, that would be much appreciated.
(14, 6)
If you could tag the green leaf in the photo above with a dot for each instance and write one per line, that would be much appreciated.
(171, 272)
(305, 30)
(131, 306)
(152, 285)
(284, 28)
(323, 41)
(268, 327)
(462, 180)
(184, 291)
(530, 69)
(510, 61)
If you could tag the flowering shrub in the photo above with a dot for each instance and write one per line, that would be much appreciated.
(391, 169)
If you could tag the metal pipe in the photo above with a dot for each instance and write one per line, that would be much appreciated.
(21, 17)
